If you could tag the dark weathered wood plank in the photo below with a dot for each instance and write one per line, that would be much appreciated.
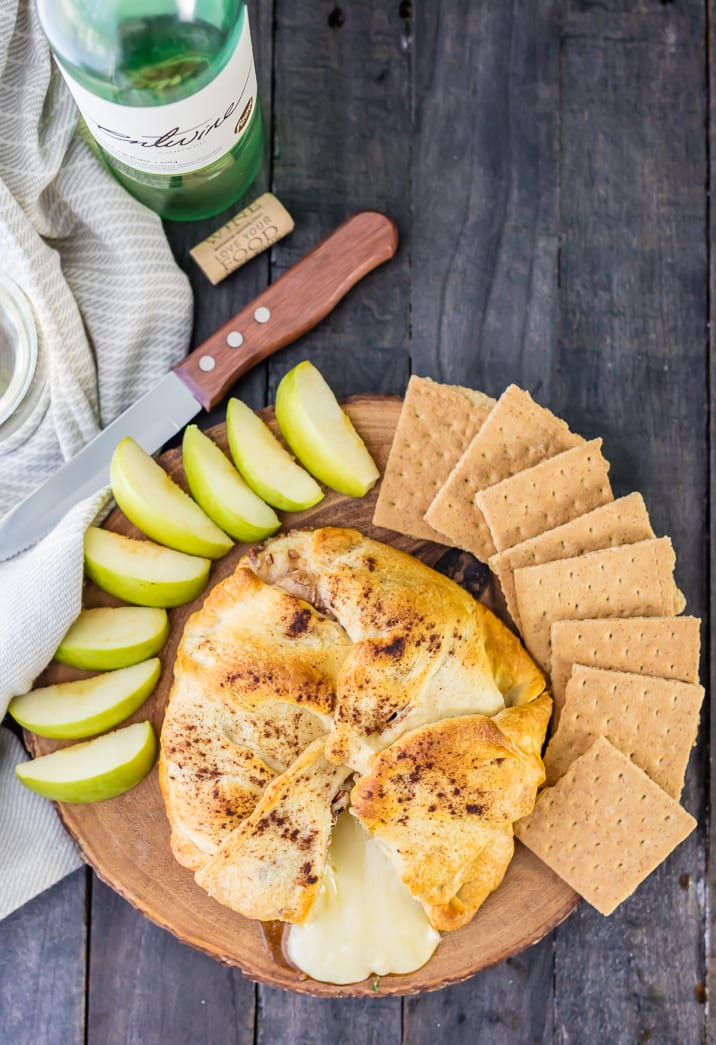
(485, 183)
(146, 988)
(42, 967)
(293, 1019)
(343, 138)
(501, 1006)
(632, 365)
(708, 659)
(484, 278)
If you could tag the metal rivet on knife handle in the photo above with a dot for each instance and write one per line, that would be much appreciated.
(262, 315)
(297, 301)
(234, 339)
(207, 363)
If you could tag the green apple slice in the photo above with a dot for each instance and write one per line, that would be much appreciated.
(322, 435)
(152, 501)
(143, 572)
(94, 770)
(267, 466)
(112, 637)
(70, 710)
(222, 493)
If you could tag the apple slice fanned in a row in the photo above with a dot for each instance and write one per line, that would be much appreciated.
(94, 770)
(84, 707)
(111, 637)
(321, 434)
(221, 491)
(151, 499)
(265, 464)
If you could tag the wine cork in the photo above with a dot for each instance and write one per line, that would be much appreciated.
(253, 230)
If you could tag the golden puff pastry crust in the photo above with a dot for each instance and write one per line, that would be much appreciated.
(329, 661)
(423, 648)
(254, 686)
(256, 643)
(209, 781)
(271, 866)
(442, 801)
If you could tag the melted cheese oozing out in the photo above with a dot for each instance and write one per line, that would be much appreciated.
(364, 922)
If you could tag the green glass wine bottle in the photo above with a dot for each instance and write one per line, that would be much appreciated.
(167, 89)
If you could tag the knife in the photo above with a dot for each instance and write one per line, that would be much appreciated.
(303, 296)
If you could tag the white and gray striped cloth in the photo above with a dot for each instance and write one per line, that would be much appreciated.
(113, 314)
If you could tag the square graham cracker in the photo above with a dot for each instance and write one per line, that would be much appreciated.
(546, 495)
(435, 425)
(624, 521)
(604, 826)
(517, 435)
(631, 580)
(668, 647)
(653, 721)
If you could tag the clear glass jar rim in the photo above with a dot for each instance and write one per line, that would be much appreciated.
(16, 308)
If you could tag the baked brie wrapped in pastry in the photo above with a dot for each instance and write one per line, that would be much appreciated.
(332, 668)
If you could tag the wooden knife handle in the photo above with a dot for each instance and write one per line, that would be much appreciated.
(290, 306)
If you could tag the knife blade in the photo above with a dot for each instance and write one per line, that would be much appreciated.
(283, 312)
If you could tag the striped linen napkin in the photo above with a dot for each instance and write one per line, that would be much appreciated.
(113, 315)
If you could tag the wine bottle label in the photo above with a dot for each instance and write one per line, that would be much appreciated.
(181, 136)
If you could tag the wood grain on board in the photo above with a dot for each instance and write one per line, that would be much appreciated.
(126, 840)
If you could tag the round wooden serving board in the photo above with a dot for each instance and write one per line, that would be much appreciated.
(126, 839)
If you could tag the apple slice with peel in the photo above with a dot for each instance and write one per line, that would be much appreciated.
(222, 493)
(94, 770)
(267, 466)
(322, 435)
(141, 571)
(152, 501)
(70, 710)
(112, 637)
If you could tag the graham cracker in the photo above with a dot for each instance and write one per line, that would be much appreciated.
(668, 647)
(517, 435)
(546, 495)
(653, 721)
(604, 826)
(631, 580)
(623, 521)
(435, 426)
